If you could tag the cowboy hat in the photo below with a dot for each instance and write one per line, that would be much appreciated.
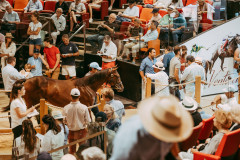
(158, 65)
(57, 115)
(189, 104)
(9, 35)
(164, 119)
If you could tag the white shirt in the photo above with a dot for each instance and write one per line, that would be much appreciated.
(163, 3)
(11, 50)
(22, 150)
(10, 76)
(190, 73)
(110, 50)
(34, 27)
(77, 116)
(134, 11)
(78, 8)
(17, 103)
(52, 141)
(161, 78)
(227, 103)
(60, 22)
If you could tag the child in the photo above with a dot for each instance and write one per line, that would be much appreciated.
(28, 73)
(156, 16)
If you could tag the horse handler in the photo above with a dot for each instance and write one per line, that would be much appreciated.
(77, 117)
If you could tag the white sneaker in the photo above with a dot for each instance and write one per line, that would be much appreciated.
(110, 8)
(90, 20)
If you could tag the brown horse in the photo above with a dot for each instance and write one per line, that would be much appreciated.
(57, 92)
(221, 53)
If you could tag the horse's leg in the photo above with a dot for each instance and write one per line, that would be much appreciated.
(213, 60)
(206, 68)
(222, 61)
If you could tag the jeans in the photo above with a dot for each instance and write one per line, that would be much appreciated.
(96, 40)
(123, 19)
(176, 35)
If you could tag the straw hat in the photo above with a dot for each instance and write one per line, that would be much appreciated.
(189, 104)
(159, 65)
(164, 119)
(9, 35)
(57, 115)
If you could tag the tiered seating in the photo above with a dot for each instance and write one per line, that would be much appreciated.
(19, 5)
(49, 7)
(206, 129)
(103, 10)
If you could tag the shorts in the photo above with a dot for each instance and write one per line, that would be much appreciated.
(37, 41)
(69, 70)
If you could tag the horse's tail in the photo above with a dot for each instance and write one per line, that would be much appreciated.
(6, 109)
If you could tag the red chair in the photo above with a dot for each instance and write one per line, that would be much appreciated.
(11, 2)
(162, 12)
(140, 9)
(206, 23)
(146, 15)
(227, 148)
(192, 140)
(19, 5)
(122, 2)
(49, 7)
(123, 28)
(27, 17)
(206, 129)
(103, 10)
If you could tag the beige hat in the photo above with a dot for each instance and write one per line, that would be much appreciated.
(9, 35)
(165, 119)
(93, 153)
(159, 65)
(189, 104)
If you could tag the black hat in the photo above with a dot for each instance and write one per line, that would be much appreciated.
(101, 115)
(44, 156)
(155, 10)
(36, 51)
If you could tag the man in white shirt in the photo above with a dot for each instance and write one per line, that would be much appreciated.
(10, 74)
(3, 5)
(33, 5)
(11, 16)
(108, 53)
(130, 13)
(60, 24)
(77, 116)
(190, 73)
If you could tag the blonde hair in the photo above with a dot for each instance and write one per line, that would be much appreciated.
(223, 118)
(114, 115)
(235, 113)
(27, 66)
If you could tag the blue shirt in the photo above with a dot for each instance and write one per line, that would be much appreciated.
(118, 107)
(34, 6)
(133, 142)
(179, 22)
(150, 35)
(113, 124)
(37, 71)
(12, 17)
(146, 65)
(166, 61)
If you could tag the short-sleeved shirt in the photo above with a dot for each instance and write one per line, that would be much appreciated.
(174, 63)
(179, 22)
(146, 65)
(17, 103)
(134, 11)
(166, 61)
(37, 71)
(78, 8)
(104, 31)
(51, 54)
(12, 17)
(68, 49)
(34, 27)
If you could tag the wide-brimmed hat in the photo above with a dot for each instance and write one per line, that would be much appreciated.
(230, 88)
(159, 65)
(165, 119)
(155, 10)
(57, 115)
(9, 35)
(189, 104)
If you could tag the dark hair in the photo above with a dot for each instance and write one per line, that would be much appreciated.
(65, 36)
(175, 1)
(150, 50)
(190, 58)
(131, 1)
(176, 50)
(52, 125)
(9, 43)
(108, 93)
(183, 47)
(49, 40)
(75, 97)
(155, 23)
(11, 59)
(15, 89)
(169, 48)
(101, 117)
(29, 135)
(36, 14)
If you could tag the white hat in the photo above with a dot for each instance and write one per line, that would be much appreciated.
(198, 60)
(158, 65)
(68, 157)
(230, 88)
(57, 115)
(189, 104)
(95, 65)
(75, 92)
(93, 153)
(164, 119)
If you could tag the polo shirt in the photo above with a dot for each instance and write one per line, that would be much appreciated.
(60, 22)
(146, 65)
(51, 54)
(11, 17)
(66, 49)
(134, 11)
(37, 71)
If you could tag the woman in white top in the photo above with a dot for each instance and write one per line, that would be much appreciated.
(18, 109)
(8, 48)
(28, 142)
(54, 138)
(76, 9)
(34, 31)
(161, 78)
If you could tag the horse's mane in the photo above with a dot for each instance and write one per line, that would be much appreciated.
(91, 78)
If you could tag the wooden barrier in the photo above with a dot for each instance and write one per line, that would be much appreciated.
(198, 89)
(100, 100)
(148, 88)
(43, 111)
(238, 88)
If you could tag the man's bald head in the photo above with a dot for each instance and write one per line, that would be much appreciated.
(112, 17)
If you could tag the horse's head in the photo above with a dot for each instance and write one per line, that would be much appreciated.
(114, 79)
